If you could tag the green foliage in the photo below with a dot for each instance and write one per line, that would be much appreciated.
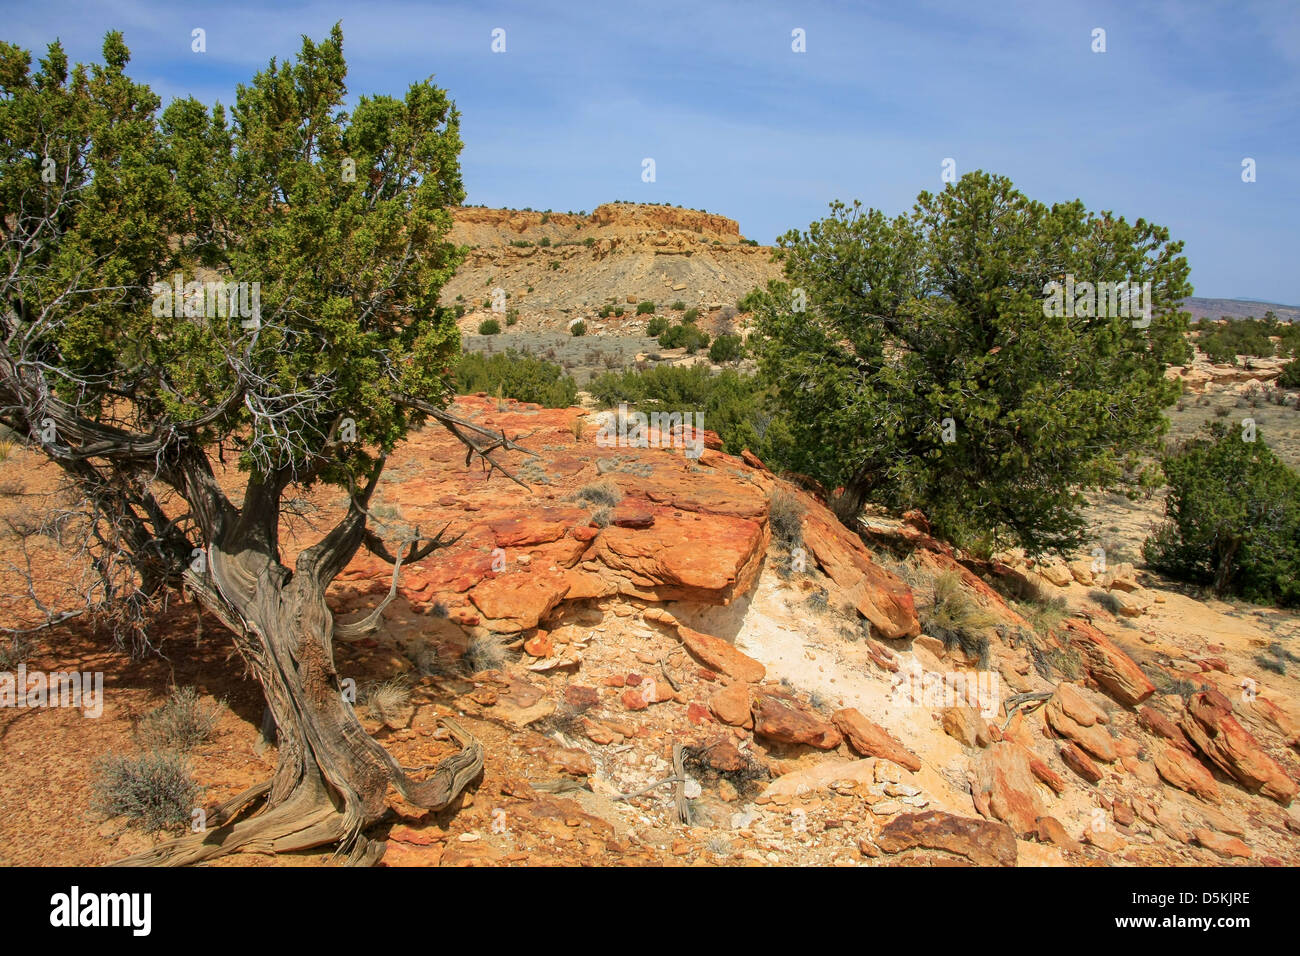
(645, 308)
(1290, 377)
(544, 242)
(489, 327)
(1233, 518)
(656, 326)
(521, 377)
(939, 315)
(554, 265)
(691, 315)
(349, 270)
(1223, 342)
(512, 317)
(679, 306)
(734, 405)
(685, 336)
(605, 311)
(578, 328)
(727, 348)
(750, 301)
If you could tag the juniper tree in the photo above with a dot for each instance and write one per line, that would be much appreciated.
(1232, 517)
(917, 366)
(338, 223)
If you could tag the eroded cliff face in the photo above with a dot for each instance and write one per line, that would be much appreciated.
(488, 227)
(557, 267)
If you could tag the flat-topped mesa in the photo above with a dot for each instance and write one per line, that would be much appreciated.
(476, 226)
(638, 217)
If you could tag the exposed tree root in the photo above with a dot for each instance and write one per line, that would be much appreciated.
(312, 817)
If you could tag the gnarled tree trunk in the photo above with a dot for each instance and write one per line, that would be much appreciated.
(332, 777)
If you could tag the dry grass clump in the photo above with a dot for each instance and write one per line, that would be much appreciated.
(179, 725)
(956, 618)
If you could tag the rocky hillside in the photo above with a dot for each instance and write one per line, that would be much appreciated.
(1201, 308)
(688, 659)
(556, 267)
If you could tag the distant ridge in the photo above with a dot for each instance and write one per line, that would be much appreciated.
(1239, 309)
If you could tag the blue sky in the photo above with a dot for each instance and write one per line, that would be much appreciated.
(738, 123)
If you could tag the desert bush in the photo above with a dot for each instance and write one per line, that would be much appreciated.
(485, 652)
(1233, 518)
(785, 517)
(181, 724)
(685, 336)
(1290, 377)
(534, 471)
(726, 348)
(489, 327)
(735, 406)
(645, 308)
(1275, 658)
(1067, 661)
(956, 618)
(1166, 683)
(153, 789)
(605, 311)
(679, 306)
(521, 377)
(1274, 664)
(656, 326)
(1250, 337)
(1044, 613)
(578, 328)
(1219, 352)
(602, 516)
(512, 316)
(599, 493)
(387, 700)
(690, 315)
